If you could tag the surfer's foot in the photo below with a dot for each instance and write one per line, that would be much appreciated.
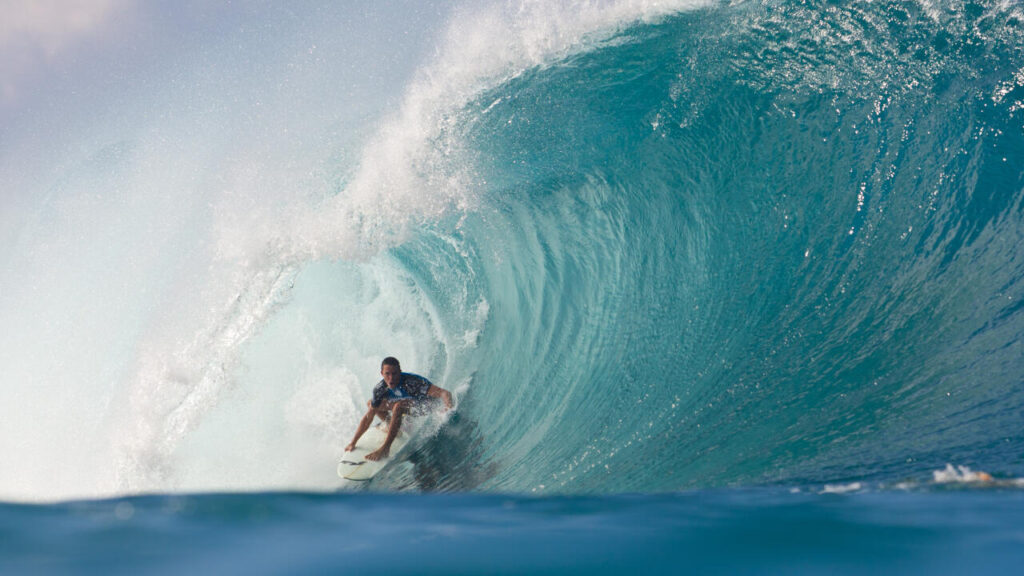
(377, 454)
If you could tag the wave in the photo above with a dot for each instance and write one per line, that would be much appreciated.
(652, 246)
(720, 250)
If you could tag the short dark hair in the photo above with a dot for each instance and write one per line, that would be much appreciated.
(391, 361)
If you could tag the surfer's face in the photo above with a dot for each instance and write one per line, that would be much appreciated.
(390, 374)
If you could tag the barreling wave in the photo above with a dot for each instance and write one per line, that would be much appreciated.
(651, 246)
(755, 243)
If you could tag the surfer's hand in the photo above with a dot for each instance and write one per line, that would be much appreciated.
(350, 447)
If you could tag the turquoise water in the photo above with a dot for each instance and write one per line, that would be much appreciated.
(719, 287)
(725, 252)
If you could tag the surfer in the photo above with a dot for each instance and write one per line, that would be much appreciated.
(393, 397)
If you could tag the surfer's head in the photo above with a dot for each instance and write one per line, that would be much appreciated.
(391, 370)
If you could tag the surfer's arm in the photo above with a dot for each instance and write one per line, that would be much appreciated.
(364, 425)
(437, 392)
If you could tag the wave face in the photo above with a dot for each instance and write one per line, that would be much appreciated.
(760, 243)
(651, 248)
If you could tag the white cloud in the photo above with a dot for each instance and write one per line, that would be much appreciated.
(34, 33)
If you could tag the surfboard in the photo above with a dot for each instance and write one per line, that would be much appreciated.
(355, 466)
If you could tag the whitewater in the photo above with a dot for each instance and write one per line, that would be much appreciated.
(682, 263)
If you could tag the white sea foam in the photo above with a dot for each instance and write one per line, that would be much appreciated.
(951, 474)
(842, 488)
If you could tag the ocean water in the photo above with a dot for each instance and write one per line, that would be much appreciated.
(720, 287)
(737, 531)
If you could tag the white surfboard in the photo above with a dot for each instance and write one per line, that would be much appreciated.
(355, 466)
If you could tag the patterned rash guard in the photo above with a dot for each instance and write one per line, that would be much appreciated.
(410, 385)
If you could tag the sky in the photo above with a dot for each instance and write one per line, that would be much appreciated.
(63, 53)
(38, 38)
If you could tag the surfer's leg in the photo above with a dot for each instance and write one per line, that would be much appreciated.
(383, 411)
(398, 410)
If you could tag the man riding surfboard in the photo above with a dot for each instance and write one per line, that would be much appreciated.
(393, 397)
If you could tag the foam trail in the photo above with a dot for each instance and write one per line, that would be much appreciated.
(170, 395)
